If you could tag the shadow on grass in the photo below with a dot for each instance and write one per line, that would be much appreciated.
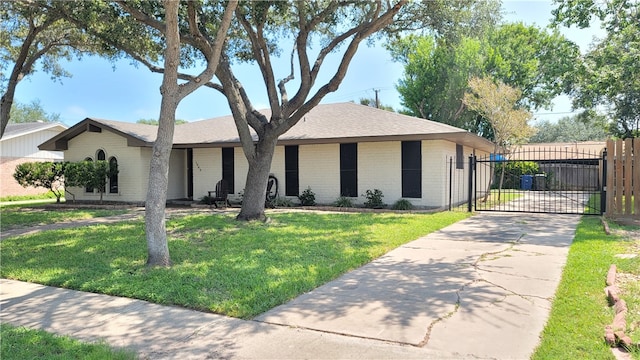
(219, 265)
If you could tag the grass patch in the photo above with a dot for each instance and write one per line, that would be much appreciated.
(43, 196)
(593, 205)
(22, 343)
(21, 217)
(219, 265)
(580, 310)
(506, 195)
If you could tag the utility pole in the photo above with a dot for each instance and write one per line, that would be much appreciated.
(377, 99)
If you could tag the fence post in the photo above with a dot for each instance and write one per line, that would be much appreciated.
(603, 187)
(472, 170)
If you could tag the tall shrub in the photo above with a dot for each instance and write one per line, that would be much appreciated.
(46, 174)
(513, 170)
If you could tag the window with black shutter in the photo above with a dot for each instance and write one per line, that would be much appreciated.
(349, 170)
(411, 169)
(227, 168)
(291, 174)
(459, 157)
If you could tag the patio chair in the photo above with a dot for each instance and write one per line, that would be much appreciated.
(220, 194)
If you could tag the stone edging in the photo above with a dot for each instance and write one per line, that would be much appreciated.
(614, 334)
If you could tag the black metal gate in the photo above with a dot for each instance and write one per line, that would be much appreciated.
(560, 181)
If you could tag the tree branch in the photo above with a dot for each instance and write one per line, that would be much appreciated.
(366, 30)
(142, 17)
(211, 53)
(262, 57)
(311, 75)
(283, 82)
(239, 108)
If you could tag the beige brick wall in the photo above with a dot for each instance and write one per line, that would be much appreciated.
(379, 167)
(133, 165)
(177, 175)
(207, 170)
(319, 168)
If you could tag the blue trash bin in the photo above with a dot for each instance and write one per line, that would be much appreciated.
(526, 182)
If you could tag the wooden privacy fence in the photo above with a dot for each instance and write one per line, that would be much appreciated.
(623, 178)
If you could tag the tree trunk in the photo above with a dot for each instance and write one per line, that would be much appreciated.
(501, 182)
(491, 173)
(256, 184)
(5, 109)
(155, 227)
(157, 246)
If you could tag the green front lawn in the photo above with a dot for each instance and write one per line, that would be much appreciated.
(20, 343)
(580, 311)
(219, 265)
(21, 217)
(48, 195)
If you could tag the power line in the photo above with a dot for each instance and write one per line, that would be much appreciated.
(350, 96)
(557, 113)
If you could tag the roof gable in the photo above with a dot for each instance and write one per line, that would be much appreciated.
(136, 134)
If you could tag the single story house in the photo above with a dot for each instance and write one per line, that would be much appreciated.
(336, 150)
(19, 144)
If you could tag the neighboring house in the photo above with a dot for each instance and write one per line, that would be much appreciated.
(336, 149)
(20, 144)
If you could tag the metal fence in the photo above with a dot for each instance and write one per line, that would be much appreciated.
(544, 180)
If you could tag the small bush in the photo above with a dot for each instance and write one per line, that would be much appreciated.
(403, 204)
(205, 200)
(343, 201)
(281, 202)
(307, 198)
(374, 199)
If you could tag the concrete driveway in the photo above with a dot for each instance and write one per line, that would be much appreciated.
(482, 287)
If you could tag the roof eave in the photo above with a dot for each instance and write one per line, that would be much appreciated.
(51, 126)
(463, 138)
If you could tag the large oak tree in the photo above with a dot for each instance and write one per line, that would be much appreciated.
(608, 78)
(266, 26)
(147, 31)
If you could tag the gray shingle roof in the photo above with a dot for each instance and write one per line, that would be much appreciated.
(326, 123)
(15, 130)
(329, 122)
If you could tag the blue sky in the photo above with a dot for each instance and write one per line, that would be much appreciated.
(126, 92)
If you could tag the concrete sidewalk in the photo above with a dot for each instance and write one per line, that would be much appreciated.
(481, 288)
